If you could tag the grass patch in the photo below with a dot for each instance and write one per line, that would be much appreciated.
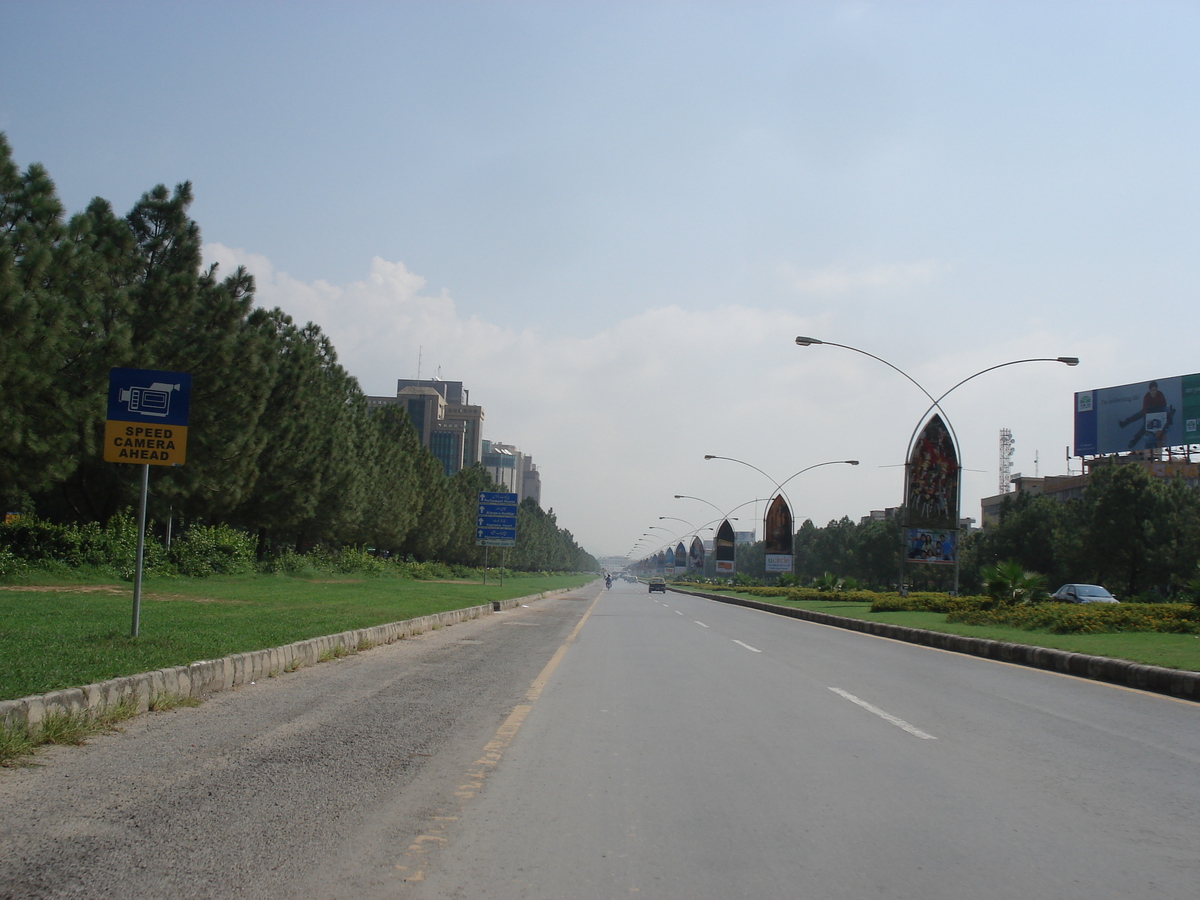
(1172, 651)
(164, 701)
(70, 630)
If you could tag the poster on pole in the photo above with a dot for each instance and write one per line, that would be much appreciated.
(696, 555)
(931, 496)
(777, 536)
(724, 549)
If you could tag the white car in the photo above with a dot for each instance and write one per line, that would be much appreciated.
(1083, 593)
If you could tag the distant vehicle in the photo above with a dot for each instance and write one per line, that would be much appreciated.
(658, 584)
(1083, 593)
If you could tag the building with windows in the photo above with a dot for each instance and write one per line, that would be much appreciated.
(512, 470)
(445, 421)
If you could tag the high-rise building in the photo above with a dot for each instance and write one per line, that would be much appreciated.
(446, 423)
(512, 470)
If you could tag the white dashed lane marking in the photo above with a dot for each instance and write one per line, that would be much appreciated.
(887, 717)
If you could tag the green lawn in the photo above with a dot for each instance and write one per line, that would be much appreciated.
(1173, 651)
(61, 634)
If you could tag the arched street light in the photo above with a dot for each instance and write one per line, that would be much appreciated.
(935, 403)
(677, 519)
(702, 500)
(779, 484)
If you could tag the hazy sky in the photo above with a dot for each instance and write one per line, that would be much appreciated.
(610, 220)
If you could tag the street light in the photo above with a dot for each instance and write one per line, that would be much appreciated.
(689, 497)
(779, 484)
(935, 403)
(677, 519)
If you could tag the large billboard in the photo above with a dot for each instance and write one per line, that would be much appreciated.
(931, 492)
(696, 555)
(777, 536)
(1145, 415)
(723, 549)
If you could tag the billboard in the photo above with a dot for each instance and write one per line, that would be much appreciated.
(723, 549)
(926, 546)
(777, 536)
(931, 491)
(1145, 415)
(680, 557)
(696, 555)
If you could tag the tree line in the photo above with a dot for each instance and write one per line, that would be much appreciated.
(281, 442)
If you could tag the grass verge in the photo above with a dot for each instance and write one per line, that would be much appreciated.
(59, 634)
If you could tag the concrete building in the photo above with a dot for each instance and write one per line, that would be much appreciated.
(1071, 487)
(445, 421)
(512, 470)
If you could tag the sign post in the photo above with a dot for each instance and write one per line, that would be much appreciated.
(495, 523)
(147, 425)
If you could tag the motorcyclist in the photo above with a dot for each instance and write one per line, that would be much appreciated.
(608, 582)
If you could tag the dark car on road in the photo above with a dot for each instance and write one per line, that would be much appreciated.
(1083, 593)
(658, 584)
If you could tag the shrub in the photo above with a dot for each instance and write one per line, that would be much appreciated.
(205, 550)
(1087, 618)
(111, 549)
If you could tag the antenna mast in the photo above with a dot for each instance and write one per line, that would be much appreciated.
(1007, 450)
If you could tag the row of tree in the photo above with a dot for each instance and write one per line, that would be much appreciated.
(281, 441)
(1136, 534)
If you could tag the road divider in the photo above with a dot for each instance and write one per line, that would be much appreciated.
(1173, 682)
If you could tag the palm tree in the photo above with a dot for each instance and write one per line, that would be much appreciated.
(1008, 582)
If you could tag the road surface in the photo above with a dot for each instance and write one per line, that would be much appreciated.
(627, 744)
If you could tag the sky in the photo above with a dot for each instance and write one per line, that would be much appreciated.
(610, 220)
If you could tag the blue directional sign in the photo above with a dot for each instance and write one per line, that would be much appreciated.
(496, 520)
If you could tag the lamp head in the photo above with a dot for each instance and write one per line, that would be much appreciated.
(852, 462)
(1069, 360)
(808, 341)
(709, 456)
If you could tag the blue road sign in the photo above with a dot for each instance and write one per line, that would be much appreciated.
(147, 420)
(496, 519)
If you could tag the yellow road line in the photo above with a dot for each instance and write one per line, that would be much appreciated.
(493, 752)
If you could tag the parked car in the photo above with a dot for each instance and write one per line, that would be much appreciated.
(1083, 593)
(658, 584)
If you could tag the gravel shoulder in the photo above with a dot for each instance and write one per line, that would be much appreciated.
(311, 784)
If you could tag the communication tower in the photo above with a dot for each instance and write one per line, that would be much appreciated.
(1007, 451)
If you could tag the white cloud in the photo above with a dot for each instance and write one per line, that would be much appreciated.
(619, 421)
(833, 280)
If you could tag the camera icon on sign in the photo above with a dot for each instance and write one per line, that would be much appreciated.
(154, 400)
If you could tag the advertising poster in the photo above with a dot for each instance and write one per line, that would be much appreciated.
(696, 555)
(931, 494)
(925, 546)
(777, 536)
(724, 551)
(680, 557)
(1145, 415)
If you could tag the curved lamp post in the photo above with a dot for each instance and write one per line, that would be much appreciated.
(935, 403)
(779, 484)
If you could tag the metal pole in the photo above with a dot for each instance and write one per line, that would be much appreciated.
(485, 563)
(141, 549)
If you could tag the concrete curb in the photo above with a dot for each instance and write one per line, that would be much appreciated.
(1174, 682)
(200, 679)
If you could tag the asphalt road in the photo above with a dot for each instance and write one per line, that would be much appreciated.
(623, 744)
(689, 749)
